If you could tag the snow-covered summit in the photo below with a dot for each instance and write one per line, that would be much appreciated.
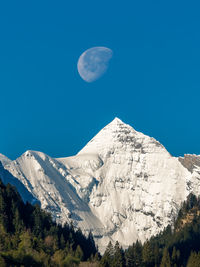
(120, 136)
(123, 185)
(116, 123)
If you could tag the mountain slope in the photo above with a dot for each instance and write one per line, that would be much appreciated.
(123, 185)
(51, 183)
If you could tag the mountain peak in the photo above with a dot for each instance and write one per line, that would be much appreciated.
(120, 136)
(118, 125)
(116, 120)
(113, 135)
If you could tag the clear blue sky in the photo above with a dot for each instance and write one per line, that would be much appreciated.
(153, 81)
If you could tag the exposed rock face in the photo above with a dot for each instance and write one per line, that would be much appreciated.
(123, 185)
(190, 162)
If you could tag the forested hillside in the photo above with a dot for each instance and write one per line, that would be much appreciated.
(174, 247)
(29, 237)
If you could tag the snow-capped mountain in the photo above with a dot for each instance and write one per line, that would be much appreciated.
(123, 185)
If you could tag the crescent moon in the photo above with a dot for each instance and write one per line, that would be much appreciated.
(93, 63)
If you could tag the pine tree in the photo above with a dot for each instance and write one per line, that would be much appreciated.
(62, 242)
(148, 254)
(118, 257)
(26, 241)
(175, 256)
(138, 254)
(79, 253)
(129, 256)
(17, 221)
(3, 214)
(165, 262)
(106, 260)
(156, 254)
(194, 260)
(91, 250)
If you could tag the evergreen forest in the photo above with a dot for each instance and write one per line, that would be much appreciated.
(29, 236)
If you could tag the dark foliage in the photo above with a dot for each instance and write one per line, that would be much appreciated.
(29, 237)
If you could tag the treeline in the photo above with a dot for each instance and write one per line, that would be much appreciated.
(29, 237)
(175, 247)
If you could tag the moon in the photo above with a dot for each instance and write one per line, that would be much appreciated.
(93, 63)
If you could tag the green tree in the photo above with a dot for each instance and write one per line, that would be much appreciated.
(194, 260)
(70, 261)
(118, 256)
(156, 254)
(62, 242)
(129, 257)
(25, 244)
(165, 262)
(79, 253)
(138, 254)
(107, 258)
(175, 257)
(148, 254)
